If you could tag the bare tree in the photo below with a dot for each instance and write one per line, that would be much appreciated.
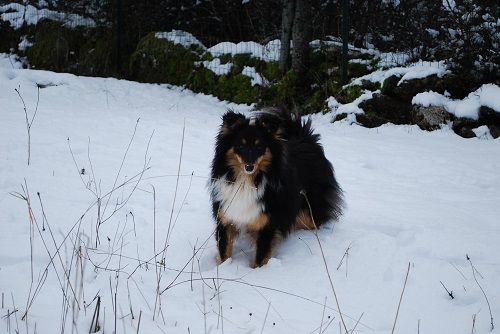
(296, 26)
(286, 34)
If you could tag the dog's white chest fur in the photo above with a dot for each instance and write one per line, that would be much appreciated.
(240, 200)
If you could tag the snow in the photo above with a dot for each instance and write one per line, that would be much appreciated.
(338, 108)
(268, 52)
(19, 14)
(487, 95)
(254, 75)
(424, 198)
(24, 44)
(483, 132)
(180, 37)
(215, 66)
(416, 70)
(9, 62)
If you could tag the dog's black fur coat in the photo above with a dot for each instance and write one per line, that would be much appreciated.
(288, 165)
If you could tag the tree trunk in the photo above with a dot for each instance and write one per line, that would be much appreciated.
(301, 34)
(286, 34)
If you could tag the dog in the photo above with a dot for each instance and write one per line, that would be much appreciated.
(269, 177)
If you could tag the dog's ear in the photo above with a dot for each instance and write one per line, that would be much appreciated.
(231, 120)
(273, 126)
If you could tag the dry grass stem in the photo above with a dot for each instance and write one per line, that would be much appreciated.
(400, 299)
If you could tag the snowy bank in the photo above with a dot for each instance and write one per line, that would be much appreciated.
(488, 95)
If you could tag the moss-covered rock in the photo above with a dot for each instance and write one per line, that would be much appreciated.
(159, 60)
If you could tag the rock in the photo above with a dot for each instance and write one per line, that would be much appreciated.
(494, 130)
(430, 118)
(463, 127)
(409, 88)
(369, 85)
(491, 118)
(390, 84)
(383, 109)
(340, 117)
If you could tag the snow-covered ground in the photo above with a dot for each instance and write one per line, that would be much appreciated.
(421, 198)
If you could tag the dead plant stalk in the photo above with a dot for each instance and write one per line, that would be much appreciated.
(303, 193)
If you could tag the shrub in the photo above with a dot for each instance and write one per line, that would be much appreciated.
(55, 47)
(237, 88)
(349, 94)
(10, 37)
(159, 60)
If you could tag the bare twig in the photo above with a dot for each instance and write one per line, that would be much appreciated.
(263, 287)
(473, 324)
(322, 317)
(357, 322)
(482, 290)
(265, 318)
(29, 123)
(346, 257)
(400, 299)
(450, 293)
(139, 322)
(303, 193)
(169, 229)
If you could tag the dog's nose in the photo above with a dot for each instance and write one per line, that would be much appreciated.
(248, 168)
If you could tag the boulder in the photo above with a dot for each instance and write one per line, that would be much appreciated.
(390, 84)
(494, 131)
(491, 118)
(383, 109)
(430, 118)
(369, 85)
(463, 127)
(409, 88)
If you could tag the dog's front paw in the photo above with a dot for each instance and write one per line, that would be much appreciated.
(220, 261)
(256, 263)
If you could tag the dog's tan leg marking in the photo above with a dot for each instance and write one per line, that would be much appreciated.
(231, 234)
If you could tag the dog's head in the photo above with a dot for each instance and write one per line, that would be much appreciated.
(250, 143)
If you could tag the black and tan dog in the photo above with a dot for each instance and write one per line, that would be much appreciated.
(262, 171)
